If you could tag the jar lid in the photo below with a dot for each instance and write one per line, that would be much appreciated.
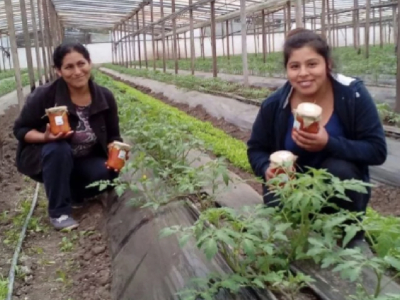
(308, 109)
(122, 146)
(56, 109)
(280, 157)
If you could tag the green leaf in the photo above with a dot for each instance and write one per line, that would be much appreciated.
(211, 248)
(350, 233)
(259, 283)
(184, 239)
(393, 261)
(119, 189)
(103, 186)
(248, 247)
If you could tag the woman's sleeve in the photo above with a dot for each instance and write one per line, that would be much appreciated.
(113, 131)
(259, 145)
(30, 116)
(369, 147)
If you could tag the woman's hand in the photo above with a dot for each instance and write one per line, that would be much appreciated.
(312, 142)
(49, 137)
(269, 174)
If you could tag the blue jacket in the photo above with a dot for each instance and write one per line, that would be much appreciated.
(364, 143)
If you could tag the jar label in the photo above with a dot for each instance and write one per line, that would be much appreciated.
(59, 120)
(122, 154)
(296, 124)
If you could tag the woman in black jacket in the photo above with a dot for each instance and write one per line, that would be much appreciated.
(351, 135)
(67, 163)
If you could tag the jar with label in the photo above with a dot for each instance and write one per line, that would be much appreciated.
(117, 155)
(283, 162)
(307, 117)
(58, 117)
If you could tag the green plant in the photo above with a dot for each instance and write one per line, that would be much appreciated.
(3, 287)
(257, 241)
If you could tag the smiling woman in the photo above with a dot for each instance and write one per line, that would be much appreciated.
(67, 161)
(349, 136)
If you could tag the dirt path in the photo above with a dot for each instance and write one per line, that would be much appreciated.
(384, 197)
(52, 265)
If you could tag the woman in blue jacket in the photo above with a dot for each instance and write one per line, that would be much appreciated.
(351, 136)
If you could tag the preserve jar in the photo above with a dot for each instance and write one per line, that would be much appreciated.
(307, 117)
(283, 162)
(117, 155)
(58, 117)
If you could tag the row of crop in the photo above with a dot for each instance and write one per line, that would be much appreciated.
(8, 85)
(11, 73)
(263, 241)
(208, 85)
(386, 114)
(346, 60)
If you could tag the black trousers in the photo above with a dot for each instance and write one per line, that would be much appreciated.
(66, 178)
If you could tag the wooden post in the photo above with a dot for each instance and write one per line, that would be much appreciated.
(152, 35)
(48, 38)
(214, 39)
(289, 16)
(264, 37)
(186, 51)
(14, 51)
(244, 42)
(1, 44)
(138, 36)
(394, 13)
(144, 38)
(367, 20)
(255, 38)
(233, 38)
(380, 26)
(133, 41)
(202, 42)
(127, 59)
(192, 50)
(36, 41)
(46, 64)
(174, 47)
(328, 28)
(27, 39)
(227, 39)
(299, 14)
(397, 107)
(163, 35)
(323, 16)
(129, 42)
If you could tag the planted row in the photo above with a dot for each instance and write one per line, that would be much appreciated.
(207, 85)
(8, 85)
(11, 73)
(347, 61)
(258, 243)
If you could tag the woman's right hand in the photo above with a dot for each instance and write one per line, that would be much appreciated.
(49, 137)
(269, 174)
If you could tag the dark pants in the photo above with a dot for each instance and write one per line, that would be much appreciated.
(65, 178)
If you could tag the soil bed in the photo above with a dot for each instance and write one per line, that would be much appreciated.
(384, 197)
(52, 265)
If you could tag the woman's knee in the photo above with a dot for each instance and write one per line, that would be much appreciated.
(58, 149)
(342, 169)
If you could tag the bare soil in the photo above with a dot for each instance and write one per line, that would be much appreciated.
(52, 265)
(383, 199)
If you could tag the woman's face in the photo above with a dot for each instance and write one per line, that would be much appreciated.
(75, 70)
(306, 71)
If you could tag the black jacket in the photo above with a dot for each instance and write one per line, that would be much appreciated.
(103, 118)
(364, 143)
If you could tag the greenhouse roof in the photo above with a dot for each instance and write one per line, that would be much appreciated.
(95, 15)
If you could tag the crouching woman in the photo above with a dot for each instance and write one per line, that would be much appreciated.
(66, 163)
(351, 137)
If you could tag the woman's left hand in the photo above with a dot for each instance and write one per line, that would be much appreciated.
(312, 142)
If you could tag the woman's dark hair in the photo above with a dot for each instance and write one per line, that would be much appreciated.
(301, 37)
(62, 50)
